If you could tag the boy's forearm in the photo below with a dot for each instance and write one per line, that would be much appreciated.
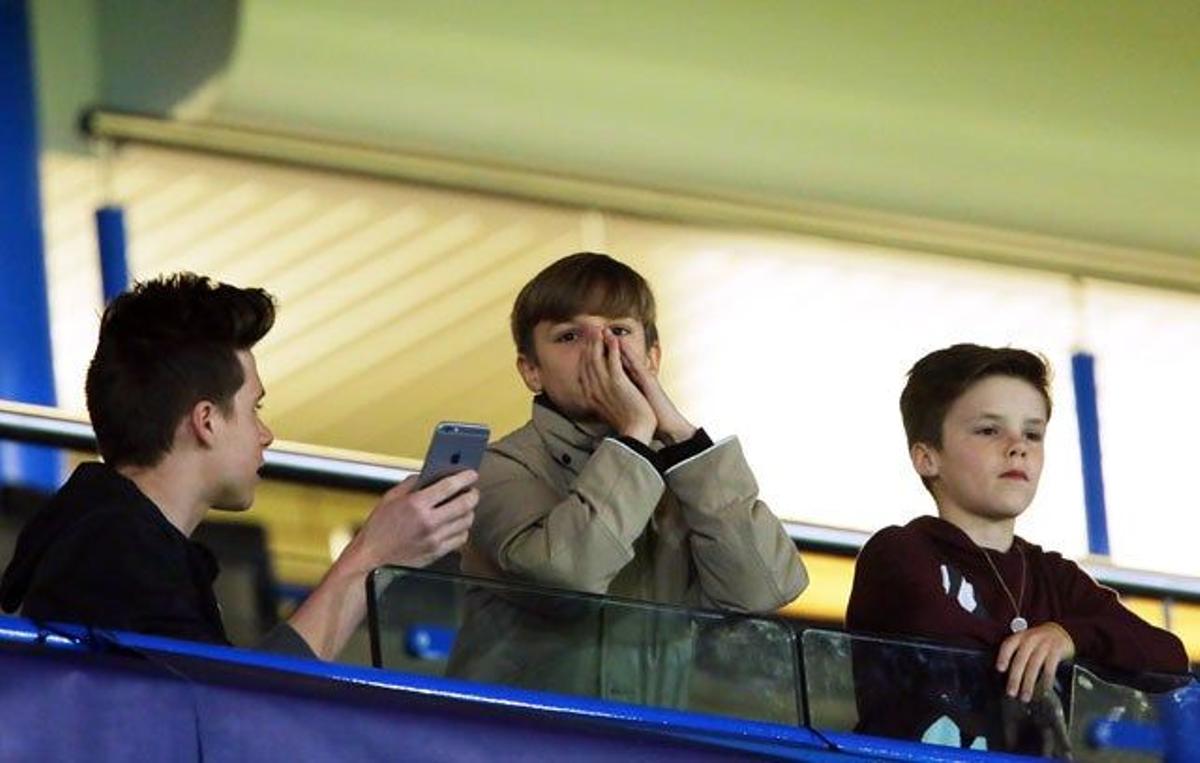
(329, 616)
(675, 429)
(584, 539)
(743, 555)
(714, 485)
(1105, 631)
(1124, 641)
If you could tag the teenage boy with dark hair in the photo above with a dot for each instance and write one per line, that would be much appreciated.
(976, 418)
(609, 488)
(173, 393)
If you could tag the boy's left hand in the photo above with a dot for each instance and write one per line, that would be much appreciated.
(672, 426)
(1032, 655)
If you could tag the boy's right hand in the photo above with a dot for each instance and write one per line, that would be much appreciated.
(672, 426)
(409, 527)
(1031, 658)
(609, 391)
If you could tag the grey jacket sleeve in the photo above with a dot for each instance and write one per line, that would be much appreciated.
(283, 639)
(528, 530)
(744, 558)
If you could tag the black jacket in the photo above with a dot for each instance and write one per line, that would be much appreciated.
(102, 554)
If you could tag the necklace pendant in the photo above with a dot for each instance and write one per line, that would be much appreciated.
(1018, 624)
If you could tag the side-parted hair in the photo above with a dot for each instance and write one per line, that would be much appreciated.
(586, 283)
(165, 345)
(942, 376)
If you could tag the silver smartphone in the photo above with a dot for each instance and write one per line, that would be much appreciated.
(456, 446)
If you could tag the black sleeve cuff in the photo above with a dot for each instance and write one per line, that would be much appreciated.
(672, 454)
(682, 451)
(642, 449)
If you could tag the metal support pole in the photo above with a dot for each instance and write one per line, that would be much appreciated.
(1083, 373)
(26, 364)
(110, 234)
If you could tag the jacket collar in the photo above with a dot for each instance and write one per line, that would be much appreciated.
(952, 535)
(563, 435)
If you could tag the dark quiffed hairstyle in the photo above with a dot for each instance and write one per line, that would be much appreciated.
(164, 346)
(941, 377)
(584, 283)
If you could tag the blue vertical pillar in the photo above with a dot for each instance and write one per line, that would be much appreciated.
(110, 234)
(1083, 373)
(26, 368)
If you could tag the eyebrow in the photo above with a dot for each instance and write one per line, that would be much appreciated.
(576, 318)
(998, 417)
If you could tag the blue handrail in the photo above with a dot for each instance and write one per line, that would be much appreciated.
(780, 740)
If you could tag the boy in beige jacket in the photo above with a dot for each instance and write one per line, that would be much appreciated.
(609, 488)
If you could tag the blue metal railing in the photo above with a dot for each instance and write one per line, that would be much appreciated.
(1175, 740)
(301, 463)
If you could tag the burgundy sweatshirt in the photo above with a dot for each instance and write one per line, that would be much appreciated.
(928, 579)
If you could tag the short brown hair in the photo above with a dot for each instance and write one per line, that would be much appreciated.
(582, 283)
(164, 346)
(942, 376)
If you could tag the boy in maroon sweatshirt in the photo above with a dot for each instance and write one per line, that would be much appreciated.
(976, 418)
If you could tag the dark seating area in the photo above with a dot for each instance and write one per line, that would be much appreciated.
(17, 505)
(246, 587)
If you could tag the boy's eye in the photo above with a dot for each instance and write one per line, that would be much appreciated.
(567, 336)
(988, 431)
(1036, 436)
(620, 330)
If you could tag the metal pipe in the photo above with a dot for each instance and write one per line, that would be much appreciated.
(110, 237)
(293, 462)
(1083, 376)
(331, 467)
(890, 230)
(26, 361)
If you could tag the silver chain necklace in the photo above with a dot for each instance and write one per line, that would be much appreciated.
(1018, 623)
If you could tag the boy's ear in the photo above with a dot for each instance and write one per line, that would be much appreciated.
(654, 358)
(202, 422)
(925, 459)
(529, 373)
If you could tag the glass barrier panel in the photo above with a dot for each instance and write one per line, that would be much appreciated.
(525, 636)
(924, 692)
(1135, 703)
